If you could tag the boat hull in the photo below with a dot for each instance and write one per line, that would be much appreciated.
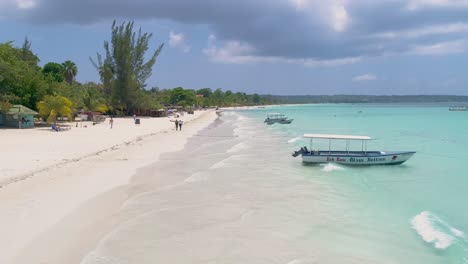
(287, 121)
(279, 121)
(368, 158)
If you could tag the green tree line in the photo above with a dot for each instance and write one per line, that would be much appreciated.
(124, 68)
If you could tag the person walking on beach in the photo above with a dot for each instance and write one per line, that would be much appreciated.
(111, 122)
(180, 124)
(176, 124)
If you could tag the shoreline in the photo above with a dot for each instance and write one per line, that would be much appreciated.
(31, 151)
(57, 205)
(203, 151)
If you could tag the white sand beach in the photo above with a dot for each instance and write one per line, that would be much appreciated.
(47, 176)
(25, 151)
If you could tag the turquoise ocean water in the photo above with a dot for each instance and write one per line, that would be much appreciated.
(413, 213)
(235, 195)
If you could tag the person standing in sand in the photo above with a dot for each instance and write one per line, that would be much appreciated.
(111, 122)
(176, 124)
(180, 124)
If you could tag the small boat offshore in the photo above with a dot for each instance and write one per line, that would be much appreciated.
(347, 156)
(273, 118)
(458, 108)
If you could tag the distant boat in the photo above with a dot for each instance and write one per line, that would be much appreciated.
(458, 108)
(362, 157)
(273, 118)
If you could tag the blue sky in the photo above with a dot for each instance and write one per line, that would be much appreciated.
(276, 47)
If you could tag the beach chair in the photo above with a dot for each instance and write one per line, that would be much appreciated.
(59, 129)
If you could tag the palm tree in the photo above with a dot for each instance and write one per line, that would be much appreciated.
(54, 106)
(69, 71)
(93, 102)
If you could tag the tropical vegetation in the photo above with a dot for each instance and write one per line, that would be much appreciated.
(52, 107)
(70, 70)
(124, 68)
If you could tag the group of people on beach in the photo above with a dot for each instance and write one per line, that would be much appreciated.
(178, 124)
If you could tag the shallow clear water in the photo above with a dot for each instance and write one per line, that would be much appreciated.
(235, 195)
(414, 209)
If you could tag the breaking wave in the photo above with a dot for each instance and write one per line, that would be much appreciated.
(238, 147)
(297, 261)
(435, 231)
(94, 258)
(219, 164)
(196, 177)
(293, 140)
(228, 161)
(331, 167)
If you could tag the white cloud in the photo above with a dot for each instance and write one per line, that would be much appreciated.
(365, 77)
(440, 49)
(25, 4)
(232, 52)
(308, 32)
(236, 52)
(331, 13)
(425, 31)
(178, 41)
(299, 4)
(328, 63)
(339, 17)
(419, 4)
(9, 5)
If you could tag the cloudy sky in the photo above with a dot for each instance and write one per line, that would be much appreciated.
(265, 46)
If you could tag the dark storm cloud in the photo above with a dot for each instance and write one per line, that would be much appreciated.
(284, 29)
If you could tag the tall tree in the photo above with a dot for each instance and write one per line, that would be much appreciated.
(69, 71)
(53, 70)
(124, 70)
(26, 53)
(256, 98)
(206, 92)
(218, 97)
(182, 97)
(21, 82)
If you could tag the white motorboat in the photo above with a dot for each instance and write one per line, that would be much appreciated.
(458, 108)
(273, 118)
(348, 157)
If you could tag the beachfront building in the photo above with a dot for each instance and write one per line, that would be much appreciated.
(19, 116)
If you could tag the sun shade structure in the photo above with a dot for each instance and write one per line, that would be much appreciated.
(331, 136)
(18, 116)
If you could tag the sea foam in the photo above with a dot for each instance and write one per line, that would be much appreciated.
(196, 177)
(435, 231)
(219, 164)
(296, 261)
(238, 147)
(94, 258)
(293, 140)
(457, 232)
(331, 167)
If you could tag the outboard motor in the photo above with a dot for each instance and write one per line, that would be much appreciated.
(299, 152)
